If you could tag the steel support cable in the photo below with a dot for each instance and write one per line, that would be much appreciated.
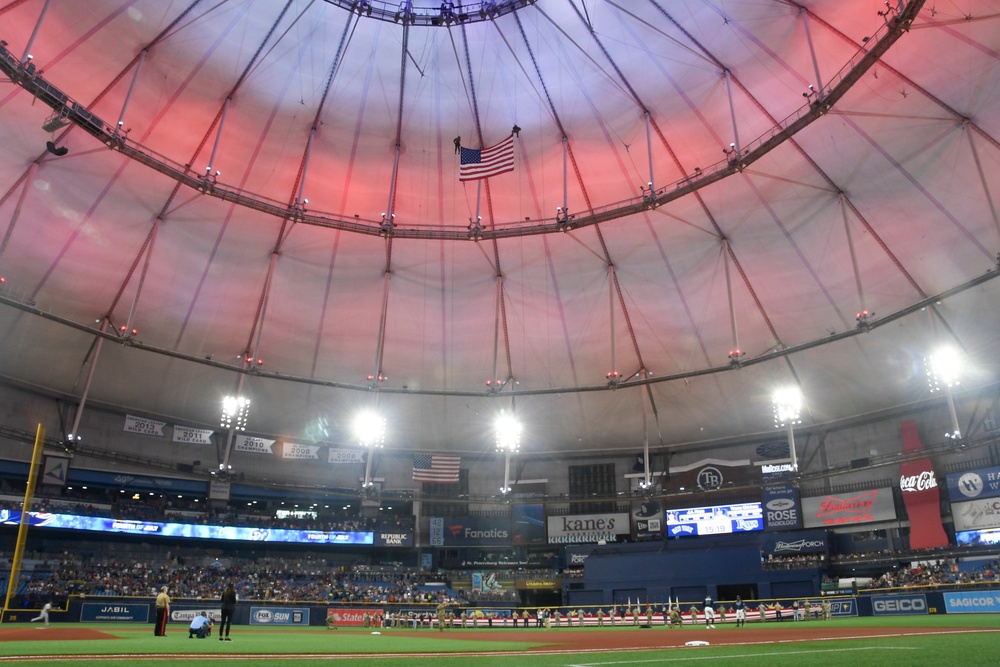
(780, 351)
(612, 211)
(201, 144)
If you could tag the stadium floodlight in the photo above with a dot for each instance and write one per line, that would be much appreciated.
(944, 366)
(235, 410)
(369, 431)
(508, 435)
(508, 431)
(787, 403)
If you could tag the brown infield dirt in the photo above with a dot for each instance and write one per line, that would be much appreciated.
(567, 639)
(25, 633)
(660, 637)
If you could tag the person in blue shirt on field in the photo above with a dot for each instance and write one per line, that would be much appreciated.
(201, 626)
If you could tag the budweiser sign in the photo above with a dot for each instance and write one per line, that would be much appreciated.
(857, 508)
(865, 507)
(920, 482)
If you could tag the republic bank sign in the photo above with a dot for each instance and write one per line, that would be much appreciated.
(587, 528)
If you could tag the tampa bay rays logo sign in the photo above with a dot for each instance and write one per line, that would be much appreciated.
(709, 478)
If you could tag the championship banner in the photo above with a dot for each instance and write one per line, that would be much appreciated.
(345, 456)
(865, 507)
(782, 510)
(918, 484)
(292, 450)
(144, 426)
(195, 436)
(973, 484)
(976, 515)
(247, 443)
(55, 470)
(587, 528)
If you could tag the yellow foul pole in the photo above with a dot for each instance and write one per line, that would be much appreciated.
(22, 531)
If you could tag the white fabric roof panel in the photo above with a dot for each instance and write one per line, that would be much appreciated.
(903, 169)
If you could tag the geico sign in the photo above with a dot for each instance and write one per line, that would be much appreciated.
(900, 605)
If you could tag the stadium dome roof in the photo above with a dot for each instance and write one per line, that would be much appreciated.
(708, 198)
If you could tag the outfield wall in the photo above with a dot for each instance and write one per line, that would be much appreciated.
(275, 613)
(720, 567)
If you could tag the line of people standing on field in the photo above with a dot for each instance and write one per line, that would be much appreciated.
(202, 624)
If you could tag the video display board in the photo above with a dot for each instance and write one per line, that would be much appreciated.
(715, 520)
(244, 533)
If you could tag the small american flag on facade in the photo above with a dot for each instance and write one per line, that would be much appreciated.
(486, 162)
(436, 468)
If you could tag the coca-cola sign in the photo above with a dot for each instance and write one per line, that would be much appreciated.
(921, 495)
(922, 481)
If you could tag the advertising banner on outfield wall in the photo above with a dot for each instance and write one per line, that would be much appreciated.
(797, 542)
(899, 605)
(122, 612)
(974, 484)
(352, 617)
(976, 515)
(782, 510)
(587, 528)
(848, 509)
(470, 531)
(972, 602)
(279, 616)
(186, 614)
(844, 607)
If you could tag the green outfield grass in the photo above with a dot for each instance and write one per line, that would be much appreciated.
(975, 641)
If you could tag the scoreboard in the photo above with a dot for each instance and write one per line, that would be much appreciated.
(715, 520)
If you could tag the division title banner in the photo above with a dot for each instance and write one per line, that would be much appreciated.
(186, 530)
